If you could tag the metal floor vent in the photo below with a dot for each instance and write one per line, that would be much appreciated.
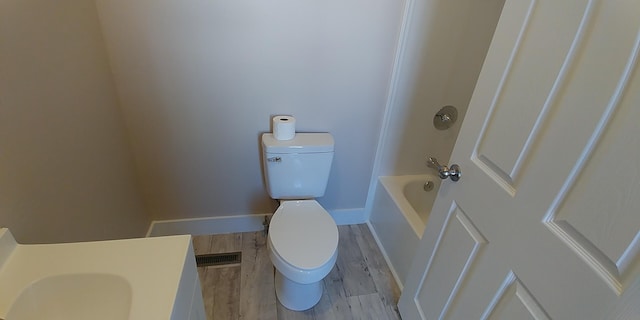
(218, 259)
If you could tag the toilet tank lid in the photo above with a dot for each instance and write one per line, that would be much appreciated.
(301, 143)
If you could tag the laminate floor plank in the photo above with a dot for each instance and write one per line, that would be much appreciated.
(221, 292)
(257, 294)
(382, 277)
(334, 303)
(208, 287)
(201, 244)
(286, 314)
(202, 272)
(368, 307)
(352, 265)
(360, 285)
(217, 243)
(224, 243)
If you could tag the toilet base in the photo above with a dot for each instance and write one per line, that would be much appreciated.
(296, 296)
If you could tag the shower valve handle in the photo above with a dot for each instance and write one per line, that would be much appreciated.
(444, 172)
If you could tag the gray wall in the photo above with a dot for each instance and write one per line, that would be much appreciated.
(66, 173)
(113, 113)
(444, 49)
(199, 81)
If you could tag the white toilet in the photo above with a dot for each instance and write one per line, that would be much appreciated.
(303, 237)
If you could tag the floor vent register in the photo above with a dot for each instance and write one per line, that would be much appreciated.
(218, 259)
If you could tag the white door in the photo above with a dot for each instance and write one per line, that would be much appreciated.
(544, 222)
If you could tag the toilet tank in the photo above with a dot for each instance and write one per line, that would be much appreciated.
(297, 168)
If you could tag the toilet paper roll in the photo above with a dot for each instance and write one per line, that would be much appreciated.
(284, 127)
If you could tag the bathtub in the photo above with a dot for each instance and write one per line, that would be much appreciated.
(401, 209)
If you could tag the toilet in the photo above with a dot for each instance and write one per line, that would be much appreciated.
(303, 237)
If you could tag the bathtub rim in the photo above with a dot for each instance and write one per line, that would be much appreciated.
(394, 185)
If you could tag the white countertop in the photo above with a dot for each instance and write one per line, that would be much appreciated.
(152, 266)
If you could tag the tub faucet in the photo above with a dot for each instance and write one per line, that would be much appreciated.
(444, 171)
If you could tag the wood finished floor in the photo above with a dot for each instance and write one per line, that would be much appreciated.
(360, 286)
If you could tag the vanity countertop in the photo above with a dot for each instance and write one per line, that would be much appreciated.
(153, 267)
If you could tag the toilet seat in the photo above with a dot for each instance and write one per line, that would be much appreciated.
(303, 235)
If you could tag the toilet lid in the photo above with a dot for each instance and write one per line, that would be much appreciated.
(303, 234)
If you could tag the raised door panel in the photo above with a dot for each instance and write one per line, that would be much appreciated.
(458, 247)
(514, 301)
(524, 95)
(596, 211)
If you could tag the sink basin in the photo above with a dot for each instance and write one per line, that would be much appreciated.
(131, 279)
(74, 296)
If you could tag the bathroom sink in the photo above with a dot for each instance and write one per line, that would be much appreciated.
(131, 279)
(74, 296)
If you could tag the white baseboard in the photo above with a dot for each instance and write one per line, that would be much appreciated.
(209, 225)
(348, 216)
(240, 223)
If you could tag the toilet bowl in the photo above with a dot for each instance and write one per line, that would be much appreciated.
(303, 247)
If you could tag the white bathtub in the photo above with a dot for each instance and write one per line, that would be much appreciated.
(400, 212)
